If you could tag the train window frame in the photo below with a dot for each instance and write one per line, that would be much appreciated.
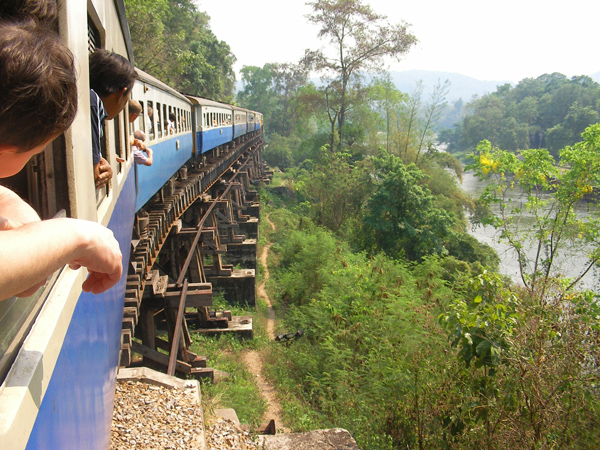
(151, 121)
(48, 194)
(120, 122)
(165, 121)
(168, 119)
(141, 120)
(102, 192)
(159, 126)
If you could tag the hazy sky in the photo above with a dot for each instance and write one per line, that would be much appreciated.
(500, 41)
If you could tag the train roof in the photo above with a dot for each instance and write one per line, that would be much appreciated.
(149, 79)
(206, 102)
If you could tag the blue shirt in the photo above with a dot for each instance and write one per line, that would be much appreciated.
(97, 114)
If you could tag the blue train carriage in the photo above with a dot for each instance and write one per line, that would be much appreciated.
(172, 145)
(213, 124)
(240, 122)
(251, 121)
(60, 347)
(258, 121)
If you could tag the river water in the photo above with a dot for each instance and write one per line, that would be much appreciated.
(571, 262)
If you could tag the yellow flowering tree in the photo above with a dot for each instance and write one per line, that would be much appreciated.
(530, 198)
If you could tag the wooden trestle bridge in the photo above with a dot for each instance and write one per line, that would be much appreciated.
(187, 240)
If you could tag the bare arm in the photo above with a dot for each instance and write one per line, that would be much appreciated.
(14, 209)
(32, 252)
(149, 159)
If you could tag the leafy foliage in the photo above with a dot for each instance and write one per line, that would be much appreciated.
(532, 366)
(550, 111)
(400, 218)
(360, 40)
(364, 328)
(374, 358)
(555, 225)
(335, 188)
(172, 41)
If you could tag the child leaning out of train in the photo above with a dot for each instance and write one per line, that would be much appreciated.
(111, 80)
(141, 154)
(38, 102)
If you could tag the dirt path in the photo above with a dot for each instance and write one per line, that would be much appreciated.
(254, 359)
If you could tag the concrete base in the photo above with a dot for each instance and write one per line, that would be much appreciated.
(252, 210)
(243, 254)
(239, 288)
(146, 375)
(249, 228)
(332, 439)
(228, 414)
(240, 325)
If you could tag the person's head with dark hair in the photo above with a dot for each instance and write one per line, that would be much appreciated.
(41, 11)
(172, 117)
(112, 77)
(38, 92)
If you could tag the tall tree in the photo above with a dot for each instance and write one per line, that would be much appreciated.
(550, 192)
(433, 110)
(288, 80)
(273, 90)
(257, 92)
(400, 217)
(387, 100)
(172, 41)
(411, 115)
(361, 40)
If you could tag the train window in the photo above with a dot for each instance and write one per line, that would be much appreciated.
(165, 121)
(140, 122)
(43, 184)
(150, 121)
(158, 122)
(102, 192)
(178, 120)
(120, 124)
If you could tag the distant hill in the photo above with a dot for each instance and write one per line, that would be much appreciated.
(462, 86)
